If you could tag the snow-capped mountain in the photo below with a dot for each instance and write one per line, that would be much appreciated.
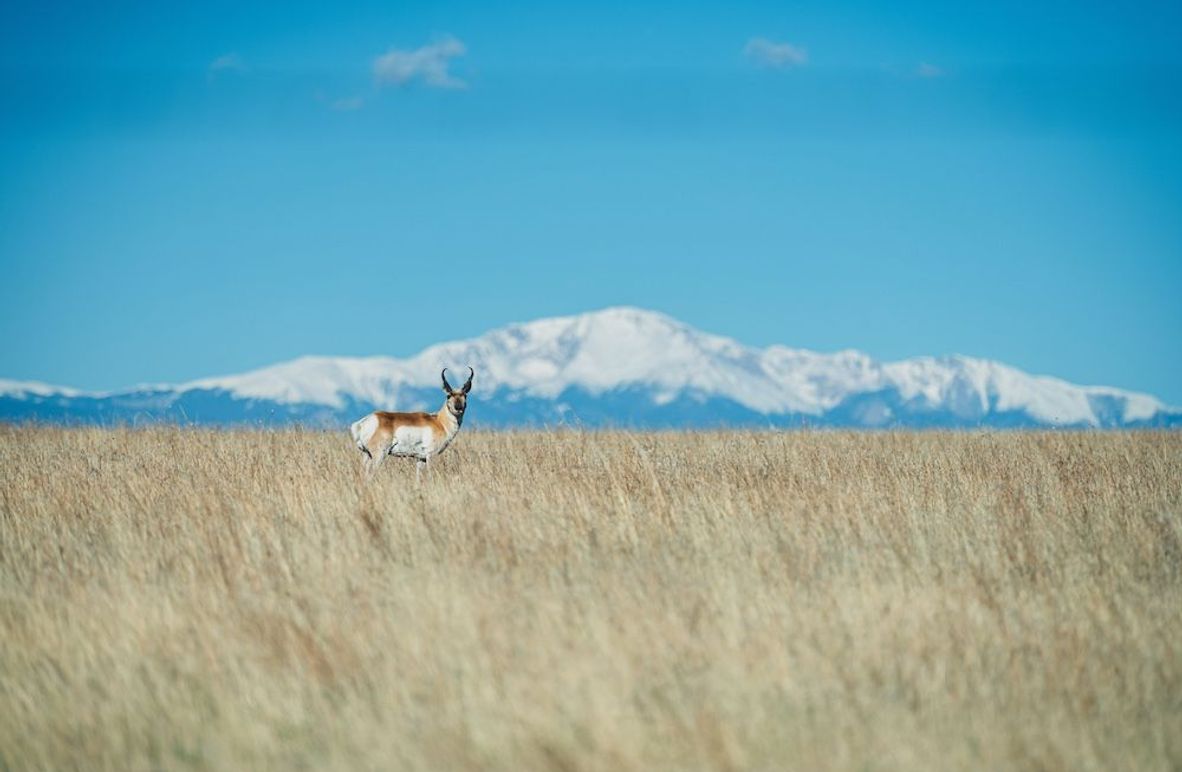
(617, 367)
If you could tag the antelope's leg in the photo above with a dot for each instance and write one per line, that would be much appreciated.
(376, 460)
(368, 462)
(419, 467)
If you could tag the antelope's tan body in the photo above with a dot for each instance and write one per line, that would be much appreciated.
(420, 436)
(416, 435)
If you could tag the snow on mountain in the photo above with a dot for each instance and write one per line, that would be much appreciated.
(26, 389)
(316, 379)
(664, 362)
(597, 352)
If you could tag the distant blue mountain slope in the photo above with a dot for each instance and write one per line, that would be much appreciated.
(620, 367)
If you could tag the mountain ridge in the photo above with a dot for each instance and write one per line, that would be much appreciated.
(622, 366)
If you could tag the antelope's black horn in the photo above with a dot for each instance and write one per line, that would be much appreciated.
(468, 383)
(446, 385)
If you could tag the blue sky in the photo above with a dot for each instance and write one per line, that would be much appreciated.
(202, 189)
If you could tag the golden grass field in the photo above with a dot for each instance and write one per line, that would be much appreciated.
(175, 598)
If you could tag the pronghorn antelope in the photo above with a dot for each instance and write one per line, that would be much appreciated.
(421, 436)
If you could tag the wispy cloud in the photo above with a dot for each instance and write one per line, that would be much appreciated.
(767, 53)
(428, 64)
(348, 103)
(230, 62)
(925, 70)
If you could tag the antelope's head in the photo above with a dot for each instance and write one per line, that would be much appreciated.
(457, 399)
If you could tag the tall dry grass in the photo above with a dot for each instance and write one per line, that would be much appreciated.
(189, 599)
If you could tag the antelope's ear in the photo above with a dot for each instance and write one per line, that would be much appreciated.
(446, 386)
(468, 383)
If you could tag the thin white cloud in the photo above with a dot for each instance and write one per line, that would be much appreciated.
(230, 62)
(925, 70)
(428, 64)
(347, 104)
(767, 53)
